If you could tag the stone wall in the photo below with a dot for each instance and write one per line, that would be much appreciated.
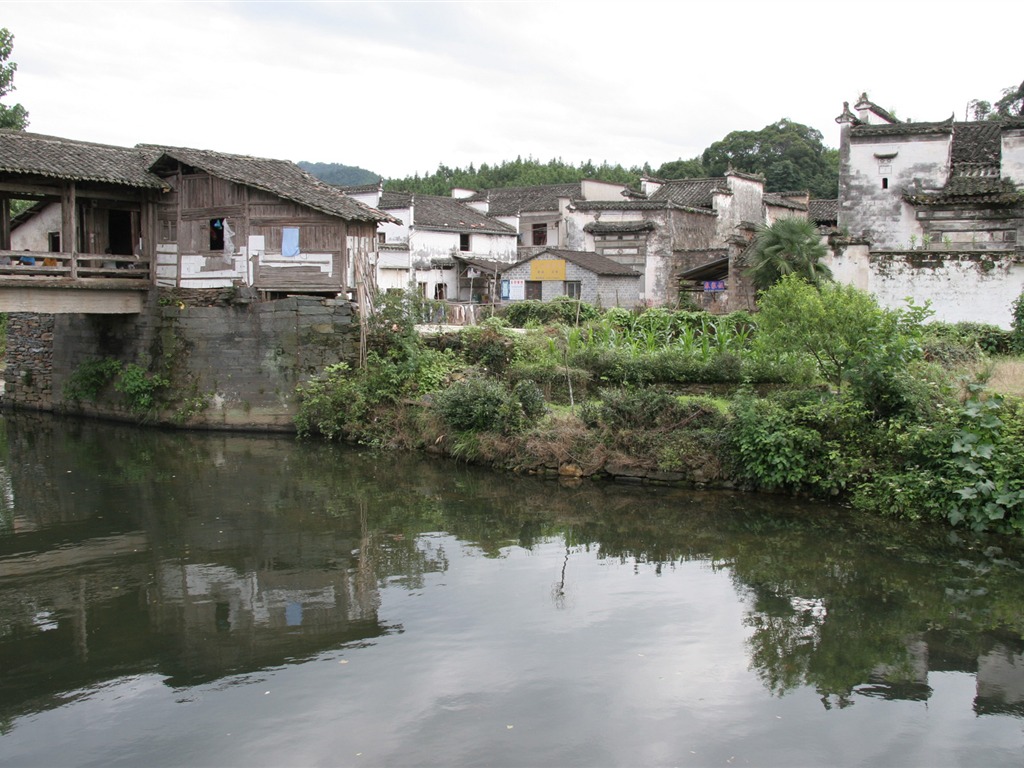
(234, 365)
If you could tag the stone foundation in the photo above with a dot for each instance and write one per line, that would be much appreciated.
(231, 363)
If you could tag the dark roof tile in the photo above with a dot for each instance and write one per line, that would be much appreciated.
(57, 158)
(280, 177)
(588, 260)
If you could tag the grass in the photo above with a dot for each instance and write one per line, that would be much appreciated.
(1007, 376)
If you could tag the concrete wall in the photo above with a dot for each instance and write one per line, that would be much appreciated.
(234, 366)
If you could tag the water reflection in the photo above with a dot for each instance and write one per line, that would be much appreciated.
(130, 552)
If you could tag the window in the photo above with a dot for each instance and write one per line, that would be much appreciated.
(440, 292)
(540, 234)
(885, 183)
(534, 290)
(464, 241)
(216, 234)
(53, 239)
(572, 288)
(381, 238)
(422, 289)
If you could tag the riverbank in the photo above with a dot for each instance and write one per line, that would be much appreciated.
(823, 394)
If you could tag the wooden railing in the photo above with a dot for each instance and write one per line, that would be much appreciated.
(77, 266)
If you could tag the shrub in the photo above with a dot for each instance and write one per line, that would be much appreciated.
(563, 310)
(485, 405)
(1017, 334)
(487, 346)
(801, 441)
(90, 378)
(139, 387)
(553, 378)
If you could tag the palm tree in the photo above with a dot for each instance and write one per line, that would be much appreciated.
(789, 245)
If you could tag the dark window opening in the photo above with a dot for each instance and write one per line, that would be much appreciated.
(216, 234)
(120, 233)
(572, 289)
(53, 240)
(381, 238)
(534, 290)
(440, 292)
(540, 234)
(885, 183)
(464, 242)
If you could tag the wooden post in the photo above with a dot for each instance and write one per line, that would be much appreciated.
(5, 224)
(68, 224)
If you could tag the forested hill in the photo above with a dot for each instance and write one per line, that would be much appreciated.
(336, 173)
(789, 155)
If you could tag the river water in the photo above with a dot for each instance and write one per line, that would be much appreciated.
(169, 598)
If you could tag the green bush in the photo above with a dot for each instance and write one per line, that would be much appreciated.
(652, 408)
(1017, 334)
(553, 378)
(801, 441)
(562, 310)
(140, 388)
(90, 378)
(485, 405)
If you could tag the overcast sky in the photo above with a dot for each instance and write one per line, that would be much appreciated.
(398, 88)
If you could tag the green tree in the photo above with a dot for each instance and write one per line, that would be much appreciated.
(1012, 102)
(789, 155)
(848, 336)
(788, 246)
(682, 169)
(10, 116)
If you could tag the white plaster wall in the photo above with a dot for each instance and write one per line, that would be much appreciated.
(428, 244)
(1013, 156)
(880, 215)
(850, 266)
(976, 287)
(397, 233)
(602, 190)
(392, 279)
(33, 234)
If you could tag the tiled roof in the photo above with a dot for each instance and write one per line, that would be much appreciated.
(588, 260)
(977, 142)
(486, 266)
(781, 201)
(57, 158)
(902, 129)
(450, 215)
(718, 269)
(279, 177)
(509, 201)
(971, 189)
(692, 193)
(389, 201)
(617, 227)
(823, 211)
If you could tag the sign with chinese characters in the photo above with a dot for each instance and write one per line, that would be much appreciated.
(547, 269)
(714, 285)
(516, 290)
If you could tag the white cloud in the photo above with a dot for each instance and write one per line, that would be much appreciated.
(402, 87)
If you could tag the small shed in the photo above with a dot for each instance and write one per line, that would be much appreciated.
(583, 275)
